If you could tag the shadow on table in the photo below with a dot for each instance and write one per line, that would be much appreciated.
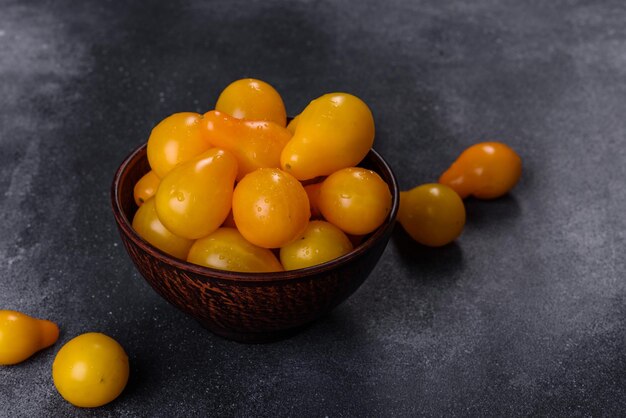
(336, 353)
(140, 372)
(446, 261)
(432, 263)
(485, 212)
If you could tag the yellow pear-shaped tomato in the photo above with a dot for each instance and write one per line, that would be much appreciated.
(255, 144)
(227, 249)
(21, 336)
(252, 99)
(270, 208)
(320, 242)
(194, 198)
(147, 224)
(486, 171)
(176, 139)
(146, 187)
(355, 199)
(334, 131)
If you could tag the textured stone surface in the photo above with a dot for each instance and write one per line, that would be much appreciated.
(524, 315)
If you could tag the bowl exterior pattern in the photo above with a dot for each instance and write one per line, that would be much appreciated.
(252, 311)
(247, 308)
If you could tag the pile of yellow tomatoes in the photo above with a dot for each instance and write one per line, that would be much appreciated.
(239, 189)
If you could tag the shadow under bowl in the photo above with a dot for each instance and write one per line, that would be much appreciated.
(248, 307)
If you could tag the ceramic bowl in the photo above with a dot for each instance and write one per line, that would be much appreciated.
(248, 307)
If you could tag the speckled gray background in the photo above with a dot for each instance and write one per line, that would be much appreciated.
(524, 315)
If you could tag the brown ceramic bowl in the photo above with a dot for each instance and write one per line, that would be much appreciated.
(248, 307)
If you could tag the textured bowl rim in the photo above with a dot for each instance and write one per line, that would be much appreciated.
(215, 274)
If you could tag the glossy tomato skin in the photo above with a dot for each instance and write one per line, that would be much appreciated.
(334, 131)
(313, 192)
(176, 139)
(486, 171)
(320, 242)
(227, 249)
(194, 199)
(146, 187)
(432, 214)
(252, 99)
(355, 199)
(90, 370)
(21, 336)
(255, 144)
(270, 207)
(147, 224)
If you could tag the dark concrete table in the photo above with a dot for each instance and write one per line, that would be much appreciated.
(524, 315)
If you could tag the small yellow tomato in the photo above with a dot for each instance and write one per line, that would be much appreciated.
(227, 249)
(334, 131)
(252, 99)
(146, 187)
(321, 242)
(355, 199)
(21, 336)
(486, 171)
(176, 139)
(194, 199)
(147, 224)
(270, 208)
(255, 144)
(90, 370)
(432, 214)
(313, 192)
